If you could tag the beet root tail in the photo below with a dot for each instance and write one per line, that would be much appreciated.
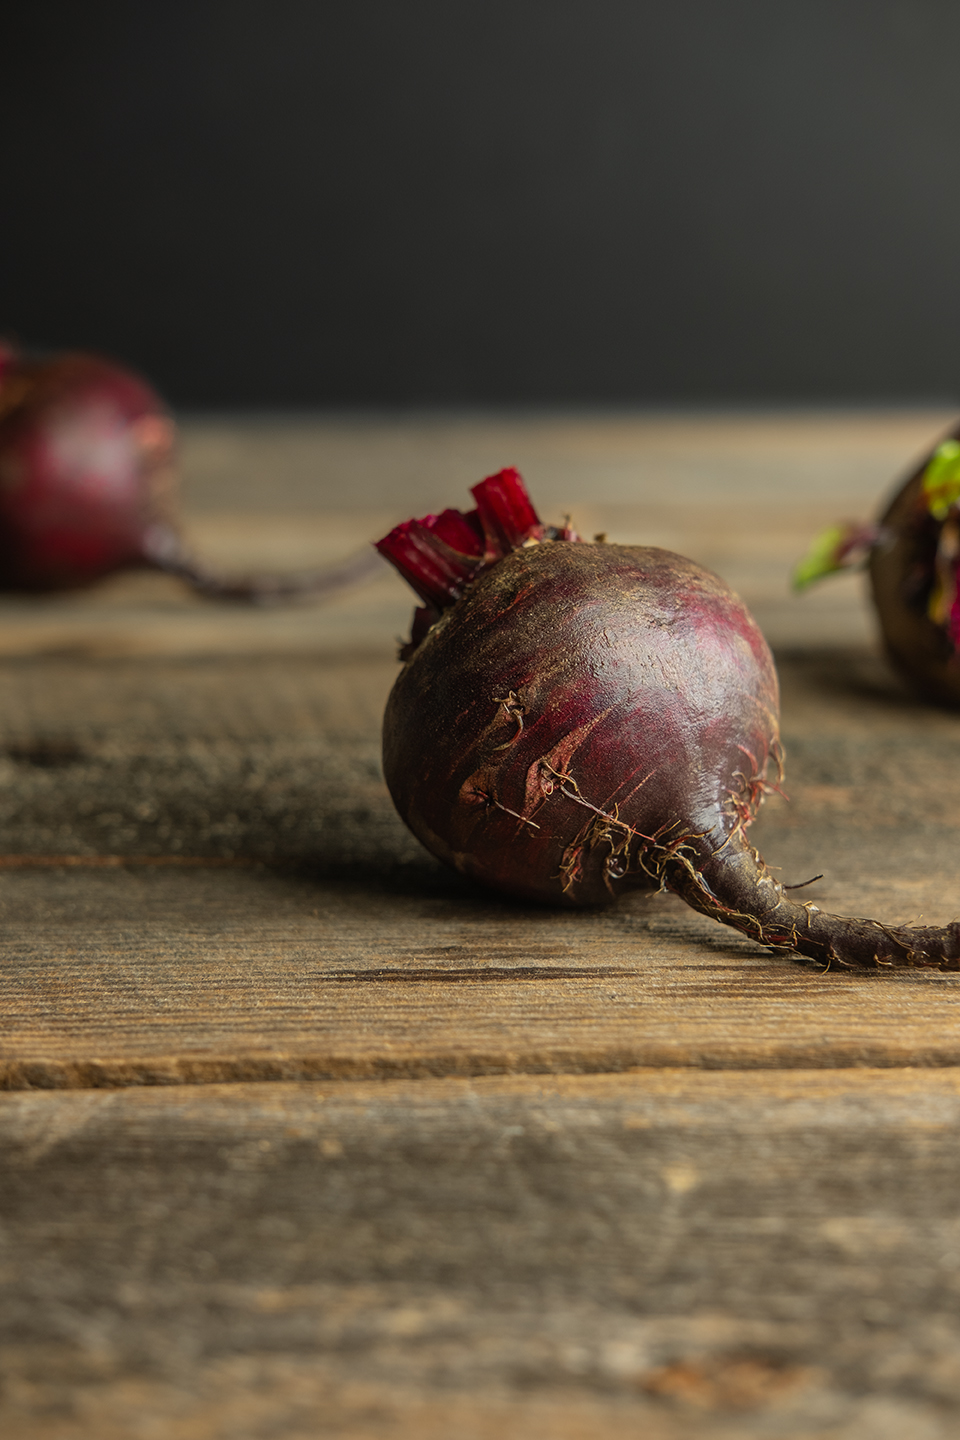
(733, 885)
(172, 557)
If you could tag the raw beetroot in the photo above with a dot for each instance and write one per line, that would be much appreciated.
(88, 484)
(575, 720)
(913, 556)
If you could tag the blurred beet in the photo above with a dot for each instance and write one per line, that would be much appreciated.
(87, 477)
(912, 554)
(89, 485)
(914, 567)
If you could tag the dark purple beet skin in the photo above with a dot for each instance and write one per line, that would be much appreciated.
(88, 485)
(575, 720)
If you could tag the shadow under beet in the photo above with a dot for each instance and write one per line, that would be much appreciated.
(272, 757)
(277, 758)
(861, 675)
(325, 811)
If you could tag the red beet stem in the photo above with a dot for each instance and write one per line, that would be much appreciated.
(506, 513)
(436, 571)
(463, 533)
(439, 555)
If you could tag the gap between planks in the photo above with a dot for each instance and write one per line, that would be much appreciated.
(120, 1073)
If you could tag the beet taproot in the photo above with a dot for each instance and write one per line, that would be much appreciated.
(89, 485)
(912, 554)
(574, 720)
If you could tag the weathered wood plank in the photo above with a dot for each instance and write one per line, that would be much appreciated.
(665, 1254)
(356, 955)
(157, 977)
(662, 1253)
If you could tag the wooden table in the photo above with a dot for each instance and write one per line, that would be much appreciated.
(303, 1136)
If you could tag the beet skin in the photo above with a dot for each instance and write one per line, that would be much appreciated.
(87, 482)
(575, 720)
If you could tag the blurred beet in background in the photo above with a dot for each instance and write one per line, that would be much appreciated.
(539, 201)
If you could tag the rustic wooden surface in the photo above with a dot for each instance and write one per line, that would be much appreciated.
(484, 1169)
(662, 1254)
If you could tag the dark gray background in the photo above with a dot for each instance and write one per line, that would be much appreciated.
(508, 201)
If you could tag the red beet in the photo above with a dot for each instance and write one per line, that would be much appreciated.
(575, 720)
(913, 557)
(914, 575)
(88, 484)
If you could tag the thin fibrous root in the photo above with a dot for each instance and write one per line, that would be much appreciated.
(273, 589)
(730, 882)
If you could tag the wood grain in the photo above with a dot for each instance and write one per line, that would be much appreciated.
(157, 977)
(667, 1253)
(346, 951)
